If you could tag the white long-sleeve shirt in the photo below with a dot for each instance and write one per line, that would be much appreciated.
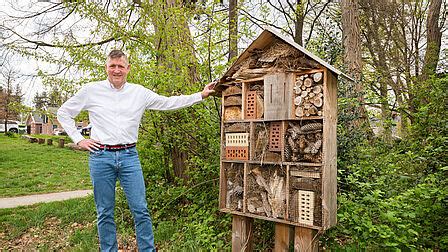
(115, 114)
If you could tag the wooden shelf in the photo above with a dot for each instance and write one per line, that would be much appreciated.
(225, 210)
(270, 163)
(276, 120)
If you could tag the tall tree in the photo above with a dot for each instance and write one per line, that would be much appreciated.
(394, 36)
(9, 98)
(233, 29)
(433, 38)
(352, 58)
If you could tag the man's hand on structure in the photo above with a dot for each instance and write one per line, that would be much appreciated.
(208, 89)
(89, 144)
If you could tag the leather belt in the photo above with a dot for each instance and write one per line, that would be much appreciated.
(117, 147)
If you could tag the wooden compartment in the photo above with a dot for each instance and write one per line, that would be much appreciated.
(267, 142)
(236, 141)
(308, 98)
(303, 141)
(234, 186)
(305, 191)
(266, 191)
(254, 99)
(232, 103)
(277, 94)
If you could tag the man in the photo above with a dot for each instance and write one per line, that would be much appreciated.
(115, 109)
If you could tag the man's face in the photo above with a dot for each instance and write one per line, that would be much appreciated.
(117, 69)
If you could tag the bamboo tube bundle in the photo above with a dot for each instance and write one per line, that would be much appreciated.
(308, 99)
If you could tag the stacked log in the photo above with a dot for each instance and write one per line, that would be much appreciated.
(232, 103)
(308, 91)
(303, 143)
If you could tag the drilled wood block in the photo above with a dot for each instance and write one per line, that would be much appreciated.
(275, 136)
(237, 153)
(237, 139)
(251, 105)
(306, 207)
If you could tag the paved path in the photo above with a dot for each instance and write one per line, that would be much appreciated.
(38, 198)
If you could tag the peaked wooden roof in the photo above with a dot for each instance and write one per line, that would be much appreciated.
(266, 38)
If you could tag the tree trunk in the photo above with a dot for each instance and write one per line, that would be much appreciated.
(233, 29)
(175, 51)
(433, 38)
(352, 58)
(298, 35)
(179, 159)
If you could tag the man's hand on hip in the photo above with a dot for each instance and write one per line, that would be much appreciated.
(89, 144)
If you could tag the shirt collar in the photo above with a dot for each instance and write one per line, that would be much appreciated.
(113, 88)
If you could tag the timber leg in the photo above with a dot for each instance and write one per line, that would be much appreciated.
(306, 240)
(242, 233)
(282, 237)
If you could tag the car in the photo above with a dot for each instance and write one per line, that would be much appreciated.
(59, 132)
(12, 126)
(85, 131)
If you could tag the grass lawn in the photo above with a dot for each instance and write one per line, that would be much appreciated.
(56, 226)
(31, 168)
(68, 225)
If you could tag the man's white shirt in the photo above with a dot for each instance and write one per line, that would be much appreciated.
(115, 114)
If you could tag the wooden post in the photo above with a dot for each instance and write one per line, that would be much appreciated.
(61, 143)
(306, 240)
(242, 233)
(50, 141)
(282, 237)
(41, 140)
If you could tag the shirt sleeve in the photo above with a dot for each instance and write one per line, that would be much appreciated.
(159, 102)
(69, 110)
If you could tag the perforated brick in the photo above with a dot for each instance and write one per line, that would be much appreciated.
(237, 139)
(251, 105)
(275, 136)
(237, 153)
(306, 207)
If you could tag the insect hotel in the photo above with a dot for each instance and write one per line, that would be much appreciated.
(278, 139)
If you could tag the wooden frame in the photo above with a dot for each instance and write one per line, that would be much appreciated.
(325, 170)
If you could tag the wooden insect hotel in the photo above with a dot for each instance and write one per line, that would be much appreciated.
(278, 135)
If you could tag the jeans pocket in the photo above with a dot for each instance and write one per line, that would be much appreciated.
(96, 153)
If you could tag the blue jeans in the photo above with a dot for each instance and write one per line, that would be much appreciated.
(105, 168)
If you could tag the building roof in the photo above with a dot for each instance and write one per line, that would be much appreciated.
(265, 40)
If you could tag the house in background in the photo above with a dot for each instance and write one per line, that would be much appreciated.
(44, 124)
(41, 124)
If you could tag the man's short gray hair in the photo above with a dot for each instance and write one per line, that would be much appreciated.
(115, 54)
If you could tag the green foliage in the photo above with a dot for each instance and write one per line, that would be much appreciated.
(10, 134)
(392, 195)
(27, 168)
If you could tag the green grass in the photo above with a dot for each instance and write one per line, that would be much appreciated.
(59, 226)
(65, 225)
(31, 168)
